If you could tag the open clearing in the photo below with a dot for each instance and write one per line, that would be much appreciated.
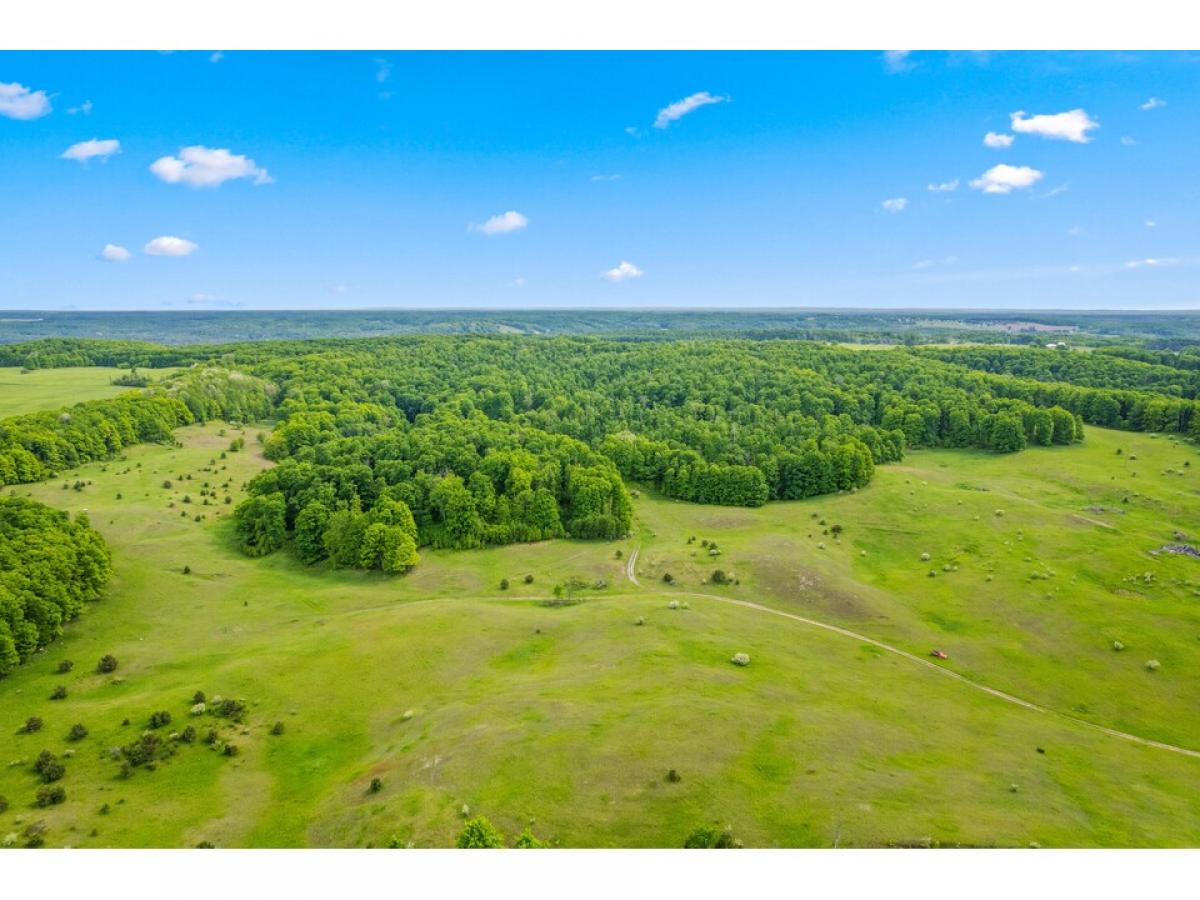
(41, 389)
(568, 718)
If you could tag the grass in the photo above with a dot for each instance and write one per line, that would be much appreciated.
(567, 719)
(52, 388)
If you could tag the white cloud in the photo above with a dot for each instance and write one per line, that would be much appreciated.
(518, 282)
(945, 187)
(606, 178)
(1054, 192)
(895, 204)
(339, 289)
(115, 253)
(897, 61)
(19, 102)
(631, 131)
(84, 108)
(504, 223)
(207, 167)
(170, 246)
(997, 141)
(681, 108)
(383, 70)
(1153, 103)
(201, 298)
(1072, 125)
(1151, 262)
(1003, 179)
(93, 149)
(623, 271)
(1074, 231)
(1150, 223)
(1128, 141)
(923, 264)
(216, 56)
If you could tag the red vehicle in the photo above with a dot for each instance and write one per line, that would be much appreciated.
(939, 654)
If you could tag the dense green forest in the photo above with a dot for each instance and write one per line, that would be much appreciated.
(50, 565)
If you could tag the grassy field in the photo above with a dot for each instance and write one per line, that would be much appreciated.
(51, 388)
(567, 719)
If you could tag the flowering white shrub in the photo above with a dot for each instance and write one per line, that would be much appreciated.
(741, 659)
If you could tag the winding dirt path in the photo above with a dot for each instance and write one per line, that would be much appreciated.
(631, 573)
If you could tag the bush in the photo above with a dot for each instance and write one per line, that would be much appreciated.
(229, 708)
(198, 697)
(32, 724)
(146, 749)
(708, 837)
(277, 728)
(740, 659)
(188, 735)
(230, 750)
(526, 841)
(1118, 646)
(77, 732)
(160, 718)
(504, 584)
(668, 578)
(107, 663)
(3, 803)
(198, 709)
(480, 834)
(925, 557)
(674, 777)
(59, 693)
(51, 796)
(65, 666)
(1152, 665)
(376, 785)
(720, 576)
(48, 766)
(529, 579)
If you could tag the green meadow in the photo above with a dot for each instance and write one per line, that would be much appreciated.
(37, 389)
(462, 698)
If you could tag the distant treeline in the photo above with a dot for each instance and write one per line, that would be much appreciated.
(50, 565)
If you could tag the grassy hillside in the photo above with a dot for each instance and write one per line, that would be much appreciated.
(51, 388)
(453, 692)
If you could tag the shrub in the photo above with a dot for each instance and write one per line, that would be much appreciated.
(1152, 665)
(3, 803)
(51, 796)
(376, 785)
(668, 578)
(187, 570)
(146, 749)
(198, 697)
(740, 659)
(198, 708)
(640, 620)
(674, 604)
(708, 837)
(48, 766)
(277, 728)
(32, 724)
(229, 708)
(504, 584)
(108, 663)
(925, 557)
(160, 718)
(720, 576)
(230, 750)
(480, 834)
(674, 777)
(59, 693)
(65, 666)
(526, 841)
(188, 735)
(77, 732)
(1118, 646)
(529, 579)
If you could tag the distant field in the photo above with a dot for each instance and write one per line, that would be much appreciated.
(53, 388)
(568, 719)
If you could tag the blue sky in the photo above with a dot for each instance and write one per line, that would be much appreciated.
(353, 179)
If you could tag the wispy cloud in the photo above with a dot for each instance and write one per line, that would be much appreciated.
(1153, 103)
(1055, 191)
(503, 223)
(623, 271)
(93, 149)
(115, 253)
(383, 70)
(680, 108)
(997, 141)
(1128, 141)
(1152, 262)
(944, 187)
(216, 56)
(168, 245)
(1004, 179)
(606, 178)
(200, 166)
(896, 62)
(895, 204)
(83, 109)
(1072, 125)
(20, 102)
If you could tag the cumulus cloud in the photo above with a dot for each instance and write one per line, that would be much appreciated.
(1153, 103)
(1151, 262)
(897, 61)
(997, 141)
(115, 253)
(1150, 223)
(944, 187)
(93, 149)
(623, 271)
(504, 223)
(20, 102)
(168, 245)
(200, 166)
(1004, 179)
(1072, 125)
(895, 204)
(83, 109)
(681, 108)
